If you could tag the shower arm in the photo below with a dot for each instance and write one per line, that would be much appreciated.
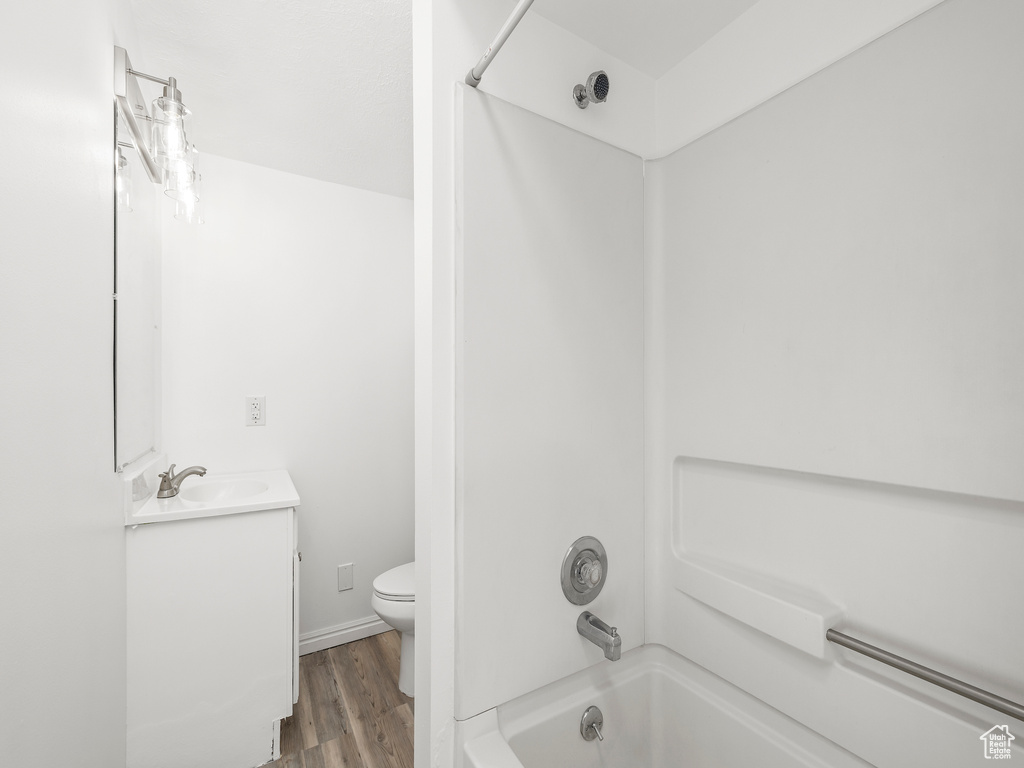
(476, 73)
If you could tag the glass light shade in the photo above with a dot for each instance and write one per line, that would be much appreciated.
(188, 209)
(181, 183)
(190, 213)
(180, 187)
(172, 128)
(123, 183)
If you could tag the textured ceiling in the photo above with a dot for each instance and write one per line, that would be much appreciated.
(320, 88)
(652, 36)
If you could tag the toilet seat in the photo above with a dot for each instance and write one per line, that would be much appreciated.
(397, 585)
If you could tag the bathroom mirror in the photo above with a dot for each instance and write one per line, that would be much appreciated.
(136, 294)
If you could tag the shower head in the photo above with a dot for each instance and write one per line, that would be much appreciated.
(596, 90)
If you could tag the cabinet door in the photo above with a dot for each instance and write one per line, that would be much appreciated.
(210, 639)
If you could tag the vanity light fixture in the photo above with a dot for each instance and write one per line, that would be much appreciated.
(162, 138)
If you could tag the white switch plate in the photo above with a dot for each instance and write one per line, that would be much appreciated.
(344, 577)
(256, 411)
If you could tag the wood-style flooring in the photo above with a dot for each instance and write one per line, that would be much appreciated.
(350, 712)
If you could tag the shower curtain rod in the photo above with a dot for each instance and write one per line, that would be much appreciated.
(477, 72)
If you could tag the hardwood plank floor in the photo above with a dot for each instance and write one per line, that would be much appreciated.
(350, 713)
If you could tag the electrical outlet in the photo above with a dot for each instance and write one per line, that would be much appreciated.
(256, 411)
(345, 577)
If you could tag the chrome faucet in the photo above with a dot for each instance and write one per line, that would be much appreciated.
(170, 482)
(600, 634)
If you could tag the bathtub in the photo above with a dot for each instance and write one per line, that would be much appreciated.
(660, 711)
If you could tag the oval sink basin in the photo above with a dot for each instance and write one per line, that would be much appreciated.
(222, 490)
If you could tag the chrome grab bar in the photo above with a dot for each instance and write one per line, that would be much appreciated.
(989, 699)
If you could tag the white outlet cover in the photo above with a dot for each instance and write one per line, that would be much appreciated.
(345, 577)
(256, 411)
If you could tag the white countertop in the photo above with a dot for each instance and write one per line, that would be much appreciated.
(279, 492)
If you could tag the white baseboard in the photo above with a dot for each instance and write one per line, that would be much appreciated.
(329, 637)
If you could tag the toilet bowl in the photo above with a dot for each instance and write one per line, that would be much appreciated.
(394, 600)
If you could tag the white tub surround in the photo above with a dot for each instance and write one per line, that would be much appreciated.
(212, 623)
(835, 410)
(659, 709)
(831, 410)
(549, 426)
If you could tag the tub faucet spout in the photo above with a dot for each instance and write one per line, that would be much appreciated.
(600, 634)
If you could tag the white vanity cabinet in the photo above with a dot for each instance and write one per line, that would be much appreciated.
(212, 635)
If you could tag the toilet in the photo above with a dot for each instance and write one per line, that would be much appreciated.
(394, 600)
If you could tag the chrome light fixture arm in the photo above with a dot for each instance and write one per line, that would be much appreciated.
(132, 106)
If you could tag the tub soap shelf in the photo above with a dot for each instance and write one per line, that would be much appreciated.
(788, 613)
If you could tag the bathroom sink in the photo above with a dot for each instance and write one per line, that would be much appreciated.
(222, 490)
(210, 496)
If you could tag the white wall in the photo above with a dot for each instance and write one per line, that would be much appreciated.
(549, 417)
(62, 572)
(835, 388)
(300, 291)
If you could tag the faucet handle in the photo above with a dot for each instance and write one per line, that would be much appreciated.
(591, 573)
(166, 483)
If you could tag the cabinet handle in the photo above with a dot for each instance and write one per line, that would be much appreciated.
(300, 557)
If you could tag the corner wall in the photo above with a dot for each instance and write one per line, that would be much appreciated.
(835, 408)
(301, 291)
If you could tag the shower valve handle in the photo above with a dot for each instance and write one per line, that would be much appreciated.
(591, 573)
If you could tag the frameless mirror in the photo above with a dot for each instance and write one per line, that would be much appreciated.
(136, 302)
